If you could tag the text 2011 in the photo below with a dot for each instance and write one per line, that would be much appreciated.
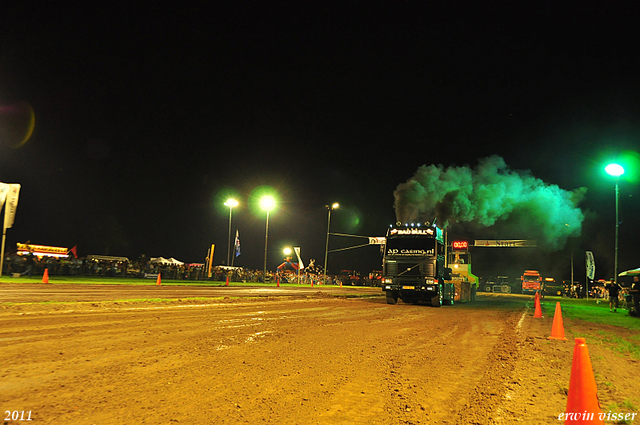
(17, 415)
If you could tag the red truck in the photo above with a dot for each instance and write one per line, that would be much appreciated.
(531, 282)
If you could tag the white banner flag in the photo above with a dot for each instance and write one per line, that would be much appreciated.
(591, 265)
(297, 250)
(12, 204)
(4, 189)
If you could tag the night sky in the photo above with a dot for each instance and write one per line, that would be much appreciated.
(148, 115)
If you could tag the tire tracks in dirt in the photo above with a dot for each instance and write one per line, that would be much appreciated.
(485, 405)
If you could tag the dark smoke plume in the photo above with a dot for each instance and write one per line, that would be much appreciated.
(492, 196)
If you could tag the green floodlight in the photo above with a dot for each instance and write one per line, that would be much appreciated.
(267, 203)
(614, 170)
(232, 203)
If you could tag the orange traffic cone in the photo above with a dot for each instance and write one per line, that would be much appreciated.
(557, 330)
(582, 401)
(45, 276)
(159, 281)
(538, 309)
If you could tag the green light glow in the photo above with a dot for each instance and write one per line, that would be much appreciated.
(614, 170)
(267, 203)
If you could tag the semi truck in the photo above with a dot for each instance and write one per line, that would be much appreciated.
(531, 282)
(413, 265)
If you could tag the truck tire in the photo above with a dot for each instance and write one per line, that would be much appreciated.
(436, 301)
(391, 297)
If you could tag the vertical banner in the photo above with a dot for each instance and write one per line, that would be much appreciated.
(591, 265)
(591, 269)
(300, 263)
(9, 194)
(213, 247)
(12, 204)
(4, 189)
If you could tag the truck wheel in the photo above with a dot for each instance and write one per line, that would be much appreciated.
(391, 297)
(436, 301)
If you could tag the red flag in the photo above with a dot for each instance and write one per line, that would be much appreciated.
(74, 251)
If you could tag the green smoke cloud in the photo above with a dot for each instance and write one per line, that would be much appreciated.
(492, 195)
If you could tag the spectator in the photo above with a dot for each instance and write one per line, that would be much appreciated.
(31, 263)
(635, 292)
(614, 291)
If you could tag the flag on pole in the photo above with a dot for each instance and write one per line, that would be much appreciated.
(300, 263)
(591, 265)
(12, 204)
(4, 189)
(210, 258)
(237, 243)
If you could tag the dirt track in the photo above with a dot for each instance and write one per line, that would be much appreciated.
(304, 358)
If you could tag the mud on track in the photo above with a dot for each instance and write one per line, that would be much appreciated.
(295, 359)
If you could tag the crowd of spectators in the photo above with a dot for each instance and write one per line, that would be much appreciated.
(143, 268)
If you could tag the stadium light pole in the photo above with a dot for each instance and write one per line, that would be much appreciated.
(267, 203)
(616, 171)
(331, 207)
(231, 203)
(571, 253)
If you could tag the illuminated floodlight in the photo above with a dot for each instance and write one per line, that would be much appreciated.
(335, 206)
(267, 203)
(287, 251)
(232, 203)
(614, 170)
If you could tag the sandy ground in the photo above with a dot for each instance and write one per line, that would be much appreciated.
(304, 356)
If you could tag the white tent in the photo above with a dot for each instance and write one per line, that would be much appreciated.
(169, 261)
(633, 272)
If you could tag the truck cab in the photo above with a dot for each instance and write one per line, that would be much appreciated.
(413, 267)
